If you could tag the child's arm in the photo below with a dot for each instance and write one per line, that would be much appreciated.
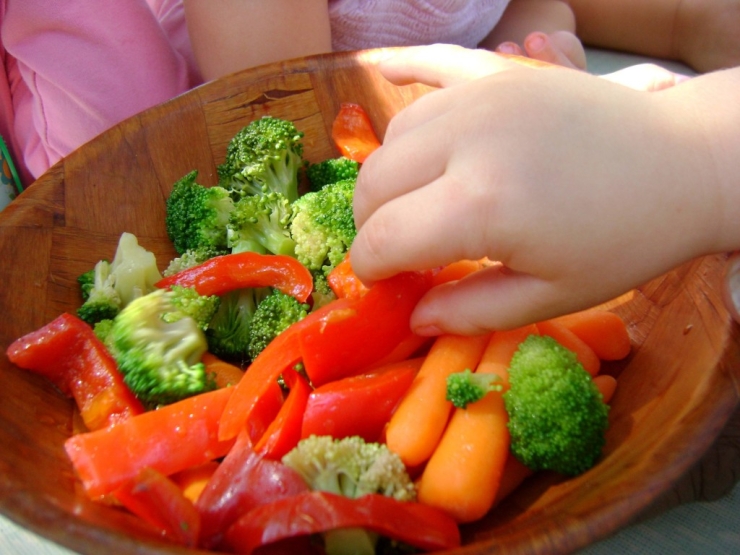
(701, 33)
(229, 35)
(551, 21)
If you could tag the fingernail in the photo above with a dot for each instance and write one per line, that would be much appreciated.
(429, 330)
(507, 48)
(536, 42)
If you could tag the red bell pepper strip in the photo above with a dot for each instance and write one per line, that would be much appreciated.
(353, 334)
(169, 439)
(284, 431)
(67, 351)
(340, 339)
(353, 132)
(315, 512)
(221, 274)
(156, 499)
(243, 481)
(259, 380)
(359, 405)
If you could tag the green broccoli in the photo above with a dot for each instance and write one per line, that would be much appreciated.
(353, 468)
(102, 330)
(101, 300)
(323, 226)
(264, 156)
(188, 303)
(331, 170)
(192, 257)
(260, 223)
(468, 387)
(322, 293)
(196, 215)
(557, 417)
(158, 348)
(273, 315)
(132, 274)
(228, 333)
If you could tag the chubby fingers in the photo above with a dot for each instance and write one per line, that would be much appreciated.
(441, 65)
(494, 298)
(646, 77)
(560, 48)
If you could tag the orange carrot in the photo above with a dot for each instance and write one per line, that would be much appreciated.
(464, 473)
(586, 355)
(192, 480)
(605, 332)
(225, 374)
(415, 428)
(457, 270)
(513, 475)
(607, 386)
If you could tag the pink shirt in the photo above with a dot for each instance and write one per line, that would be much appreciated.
(74, 68)
(357, 24)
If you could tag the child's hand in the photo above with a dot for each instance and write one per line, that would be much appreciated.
(582, 189)
(561, 48)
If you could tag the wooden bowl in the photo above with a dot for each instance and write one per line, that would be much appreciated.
(676, 390)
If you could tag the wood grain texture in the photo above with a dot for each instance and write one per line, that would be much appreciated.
(676, 389)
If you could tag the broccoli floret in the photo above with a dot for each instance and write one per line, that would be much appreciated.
(229, 330)
(331, 170)
(468, 387)
(273, 315)
(192, 257)
(353, 468)
(102, 330)
(134, 268)
(108, 287)
(196, 215)
(159, 349)
(86, 281)
(265, 156)
(189, 303)
(557, 417)
(259, 223)
(322, 293)
(102, 301)
(323, 226)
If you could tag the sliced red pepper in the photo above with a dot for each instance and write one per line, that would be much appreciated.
(169, 439)
(359, 405)
(337, 340)
(316, 512)
(221, 274)
(285, 430)
(353, 132)
(353, 334)
(343, 281)
(68, 352)
(156, 499)
(243, 481)
(259, 380)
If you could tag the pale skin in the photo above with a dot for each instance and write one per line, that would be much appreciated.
(701, 33)
(581, 187)
(226, 39)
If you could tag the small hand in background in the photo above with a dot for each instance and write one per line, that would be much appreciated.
(561, 48)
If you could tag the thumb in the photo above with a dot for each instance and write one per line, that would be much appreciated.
(495, 298)
(732, 286)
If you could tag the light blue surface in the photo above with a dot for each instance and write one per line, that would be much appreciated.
(691, 529)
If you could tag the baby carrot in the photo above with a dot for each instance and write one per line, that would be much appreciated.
(457, 270)
(607, 386)
(586, 355)
(415, 428)
(512, 476)
(463, 473)
(605, 332)
(224, 373)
